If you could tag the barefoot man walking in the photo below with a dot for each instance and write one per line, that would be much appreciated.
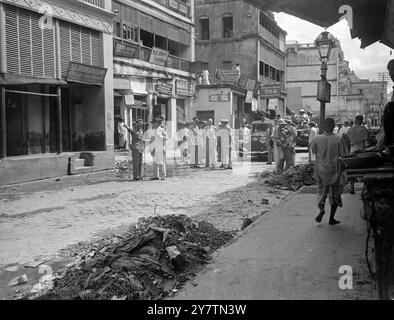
(328, 148)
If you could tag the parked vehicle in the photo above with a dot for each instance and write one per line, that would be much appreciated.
(302, 137)
(258, 136)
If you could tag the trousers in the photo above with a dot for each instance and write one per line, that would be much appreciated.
(137, 164)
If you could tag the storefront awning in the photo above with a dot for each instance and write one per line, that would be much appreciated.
(371, 18)
(7, 79)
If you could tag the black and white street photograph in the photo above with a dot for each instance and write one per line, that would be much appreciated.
(189, 156)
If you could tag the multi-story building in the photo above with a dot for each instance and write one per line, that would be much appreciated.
(237, 31)
(350, 95)
(56, 88)
(153, 49)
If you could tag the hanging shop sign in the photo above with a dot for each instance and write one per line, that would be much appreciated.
(270, 91)
(228, 76)
(324, 91)
(158, 56)
(125, 50)
(249, 97)
(164, 87)
(242, 81)
(250, 84)
(129, 99)
(185, 88)
(84, 74)
(219, 97)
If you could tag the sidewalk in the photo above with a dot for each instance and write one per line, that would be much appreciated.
(287, 255)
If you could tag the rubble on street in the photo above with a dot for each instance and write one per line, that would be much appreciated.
(149, 262)
(292, 179)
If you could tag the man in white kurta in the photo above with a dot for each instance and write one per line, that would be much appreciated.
(226, 137)
(122, 131)
(211, 141)
(158, 150)
(182, 136)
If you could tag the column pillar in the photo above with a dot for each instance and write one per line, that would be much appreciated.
(3, 124)
(59, 120)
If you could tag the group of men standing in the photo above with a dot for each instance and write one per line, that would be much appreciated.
(203, 144)
(281, 141)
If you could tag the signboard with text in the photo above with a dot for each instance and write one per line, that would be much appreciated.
(228, 76)
(184, 88)
(85, 74)
(219, 97)
(158, 56)
(164, 87)
(270, 91)
(125, 50)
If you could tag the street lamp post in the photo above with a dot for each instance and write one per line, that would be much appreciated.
(324, 43)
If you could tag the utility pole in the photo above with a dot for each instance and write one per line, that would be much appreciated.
(384, 77)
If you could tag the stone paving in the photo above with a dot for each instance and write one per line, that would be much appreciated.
(39, 219)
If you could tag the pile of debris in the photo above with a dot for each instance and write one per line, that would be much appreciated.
(123, 166)
(292, 179)
(151, 260)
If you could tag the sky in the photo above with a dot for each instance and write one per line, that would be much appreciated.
(366, 63)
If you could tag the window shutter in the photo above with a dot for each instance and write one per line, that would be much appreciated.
(37, 47)
(86, 47)
(146, 23)
(160, 28)
(65, 47)
(49, 53)
(96, 49)
(11, 23)
(25, 43)
(184, 37)
(173, 33)
(76, 43)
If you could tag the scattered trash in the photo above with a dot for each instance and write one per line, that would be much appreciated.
(265, 201)
(18, 280)
(292, 179)
(11, 269)
(57, 180)
(151, 261)
(34, 264)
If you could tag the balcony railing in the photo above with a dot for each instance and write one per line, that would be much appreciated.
(97, 3)
(143, 53)
(177, 6)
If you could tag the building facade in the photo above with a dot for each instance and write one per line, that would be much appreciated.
(237, 31)
(56, 88)
(350, 95)
(153, 48)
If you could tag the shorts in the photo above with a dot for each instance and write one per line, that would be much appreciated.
(333, 192)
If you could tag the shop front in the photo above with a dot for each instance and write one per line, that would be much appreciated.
(219, 102)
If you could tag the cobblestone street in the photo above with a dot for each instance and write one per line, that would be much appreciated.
(39, 219)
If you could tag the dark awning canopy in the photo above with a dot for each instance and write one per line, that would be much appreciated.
(372, 19)
(7, 79)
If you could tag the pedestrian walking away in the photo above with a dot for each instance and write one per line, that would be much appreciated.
(137, 147)
(328, 171)
(359, 140)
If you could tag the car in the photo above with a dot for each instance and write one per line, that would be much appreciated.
(302, 137)
(258, 137)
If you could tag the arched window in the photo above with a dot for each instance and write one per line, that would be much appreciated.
(204, 28)
(228, 25)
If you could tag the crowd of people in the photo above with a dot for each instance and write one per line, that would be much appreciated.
(200, 144)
